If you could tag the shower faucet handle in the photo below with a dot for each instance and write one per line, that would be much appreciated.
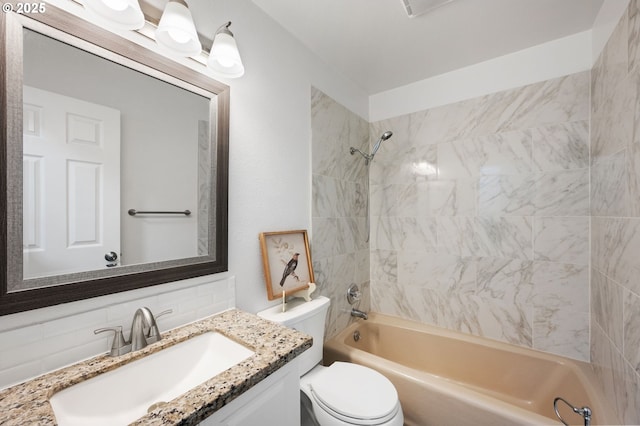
(353, 294)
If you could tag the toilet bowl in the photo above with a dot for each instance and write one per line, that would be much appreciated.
(342, 393)
(350, 394)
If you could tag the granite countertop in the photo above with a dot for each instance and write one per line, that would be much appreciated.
(273, 344)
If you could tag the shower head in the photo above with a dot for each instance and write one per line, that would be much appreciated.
(386, 135)
(368, 157)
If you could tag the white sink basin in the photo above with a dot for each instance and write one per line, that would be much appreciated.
(125, 394)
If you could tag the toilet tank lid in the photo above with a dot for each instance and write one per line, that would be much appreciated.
(297, 310)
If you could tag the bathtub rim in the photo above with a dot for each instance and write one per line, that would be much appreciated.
(583, 370)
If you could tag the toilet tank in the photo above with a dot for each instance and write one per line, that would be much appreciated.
(308, 318)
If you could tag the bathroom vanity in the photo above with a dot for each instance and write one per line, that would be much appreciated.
(253, 391)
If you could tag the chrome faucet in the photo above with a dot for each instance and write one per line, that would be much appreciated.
(359, 314)
(143, 321)
(354, 295)
(144, 331)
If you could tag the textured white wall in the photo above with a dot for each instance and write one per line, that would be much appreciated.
(270, 146)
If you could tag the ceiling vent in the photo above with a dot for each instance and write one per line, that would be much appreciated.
(418, 7)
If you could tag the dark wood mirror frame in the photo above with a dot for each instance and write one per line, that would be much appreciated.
(11, 113)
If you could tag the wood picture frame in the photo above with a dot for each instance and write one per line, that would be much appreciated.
(287, 262)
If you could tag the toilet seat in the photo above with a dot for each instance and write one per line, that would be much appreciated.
(355, 394)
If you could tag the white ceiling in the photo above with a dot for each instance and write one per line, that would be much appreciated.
(375, 43)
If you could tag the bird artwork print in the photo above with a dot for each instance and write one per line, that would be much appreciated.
(290, 269)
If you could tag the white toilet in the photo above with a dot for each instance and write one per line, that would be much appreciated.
(343, 393)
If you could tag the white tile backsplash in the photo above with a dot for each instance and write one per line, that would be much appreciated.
(38, 341)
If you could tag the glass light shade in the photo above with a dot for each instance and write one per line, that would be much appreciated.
(224, 57)
(176, 30)
(120, 14)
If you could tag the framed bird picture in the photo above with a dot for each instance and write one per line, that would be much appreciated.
(286, 261)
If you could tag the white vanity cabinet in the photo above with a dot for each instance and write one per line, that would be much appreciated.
(274, 401)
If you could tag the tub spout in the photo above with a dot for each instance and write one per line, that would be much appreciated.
(359, 314)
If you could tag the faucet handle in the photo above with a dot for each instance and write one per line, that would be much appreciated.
(154, 332)
(119, 345)
(168, 311)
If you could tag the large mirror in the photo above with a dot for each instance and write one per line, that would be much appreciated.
(116, 165)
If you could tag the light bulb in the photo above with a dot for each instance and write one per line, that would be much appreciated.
(225, 61)
(120, 14)
(179, 36)
(176, 31)
(224, 57)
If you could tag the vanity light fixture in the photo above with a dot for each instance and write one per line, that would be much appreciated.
(224, 57)
(176, 30)
(120, 14)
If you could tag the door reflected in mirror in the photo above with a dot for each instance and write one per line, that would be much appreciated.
(97, 126)
(101, 139)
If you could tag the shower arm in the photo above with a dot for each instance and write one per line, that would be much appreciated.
(367, 157)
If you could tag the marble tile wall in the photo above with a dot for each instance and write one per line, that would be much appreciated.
(615, 211)
(480, 216)
(514, 216)
(339, 246)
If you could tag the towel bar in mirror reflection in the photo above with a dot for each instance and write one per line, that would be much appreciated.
(134, 212)
(49, 61)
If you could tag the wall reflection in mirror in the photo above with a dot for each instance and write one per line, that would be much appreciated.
(96, 126)
(100, 139)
